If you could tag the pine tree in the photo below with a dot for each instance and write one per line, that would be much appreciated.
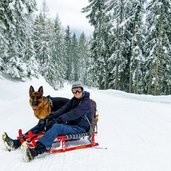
(158, 62)
(68, 57)
(37, 37)
(75, 60)
(42, 38)
(135, 26)
(6, 19)
(14, 30)
(84, 69)
(29, 53)
(56, 71)
(100, 44)
(118, 59)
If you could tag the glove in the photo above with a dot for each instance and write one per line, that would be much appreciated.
(49, 117)
(51, 123)
(58, 120)
(41, 124)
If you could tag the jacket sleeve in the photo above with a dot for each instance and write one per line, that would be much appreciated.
(82, 109)
(62, 110)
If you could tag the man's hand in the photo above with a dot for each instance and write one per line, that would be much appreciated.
(49, 117)
(49, 124)
(41, 124)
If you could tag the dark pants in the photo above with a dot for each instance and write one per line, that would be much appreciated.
(57, 129)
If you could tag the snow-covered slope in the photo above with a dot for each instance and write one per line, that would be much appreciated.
(136, 129)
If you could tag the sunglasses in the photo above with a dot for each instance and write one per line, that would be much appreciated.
(74, 91)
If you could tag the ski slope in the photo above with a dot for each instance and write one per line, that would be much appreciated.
(136, 129)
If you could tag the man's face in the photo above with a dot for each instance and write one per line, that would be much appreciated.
(77, 92)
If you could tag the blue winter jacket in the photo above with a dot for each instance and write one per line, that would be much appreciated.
(74, 112)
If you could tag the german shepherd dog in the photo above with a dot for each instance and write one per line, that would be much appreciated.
(43, 106)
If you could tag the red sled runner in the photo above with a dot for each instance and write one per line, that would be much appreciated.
(59, 145)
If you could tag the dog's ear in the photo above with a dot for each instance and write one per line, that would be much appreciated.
(31, 90)
(41, 90)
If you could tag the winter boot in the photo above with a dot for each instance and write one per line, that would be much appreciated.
(10, 144)
(32, 153)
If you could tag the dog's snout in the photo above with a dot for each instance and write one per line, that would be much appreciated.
(35, 103)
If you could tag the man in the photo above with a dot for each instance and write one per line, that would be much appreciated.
(70, 119)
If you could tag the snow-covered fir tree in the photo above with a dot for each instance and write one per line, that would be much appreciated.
(84, 70)
(158, 47)
(29, 51)
(117, 63)
(100, 44)
(68, 57)
(14, 28)
(56, 68)
(135, 39)
(41, 38)
(75, 60)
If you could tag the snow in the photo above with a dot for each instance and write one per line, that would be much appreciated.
(136, 129)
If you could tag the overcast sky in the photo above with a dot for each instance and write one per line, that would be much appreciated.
(69, 13)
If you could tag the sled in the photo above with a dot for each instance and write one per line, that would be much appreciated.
(61, 143)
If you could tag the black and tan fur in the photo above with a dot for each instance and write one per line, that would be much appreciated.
(43, 106)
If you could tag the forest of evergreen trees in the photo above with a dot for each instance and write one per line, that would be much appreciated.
(130, 47)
